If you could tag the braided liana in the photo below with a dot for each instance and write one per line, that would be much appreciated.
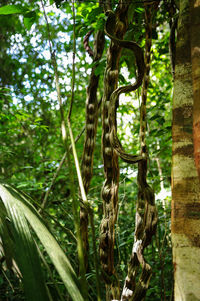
(86, 44)
(119, 25)
(90, 136)
(114, 99)
(146, 213)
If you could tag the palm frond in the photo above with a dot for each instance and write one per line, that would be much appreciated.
(19, 211)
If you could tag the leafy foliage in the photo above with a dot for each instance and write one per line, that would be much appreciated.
(31, 147)
(23, 248)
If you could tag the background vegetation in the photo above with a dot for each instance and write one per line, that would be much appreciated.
(31, 147)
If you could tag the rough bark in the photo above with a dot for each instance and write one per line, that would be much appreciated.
(185, 182)
(195, 54)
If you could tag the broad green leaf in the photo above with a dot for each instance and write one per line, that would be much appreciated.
(19, 245)
(6, 236)
(26, 256)
(11, 9)
(12, 198)
(94, 13)
(30, 19)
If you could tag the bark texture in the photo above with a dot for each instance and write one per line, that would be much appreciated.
(195, 54)
(185, 182)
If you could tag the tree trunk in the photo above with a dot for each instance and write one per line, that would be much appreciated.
(185, 182)
(195, 54)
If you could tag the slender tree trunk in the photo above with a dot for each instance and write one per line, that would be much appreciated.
(185, 182)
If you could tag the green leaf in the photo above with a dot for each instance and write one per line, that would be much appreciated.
(11, 9)
(139, 10)
(131, 10)
(94, 13)
(30, 19)
(18, 203)
(155, 117)
(19, 244)
(6, 240)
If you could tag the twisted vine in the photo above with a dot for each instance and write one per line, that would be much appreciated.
(90, 134)
(110, 160)
(146, 213)
(86, 44)
(114, 99)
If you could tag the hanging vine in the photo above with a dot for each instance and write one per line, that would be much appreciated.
(116, 27)
(86, 44)
(90, 133)
(146, 213)
(114, 99)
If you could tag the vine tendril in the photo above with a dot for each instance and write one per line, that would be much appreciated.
(114, 99)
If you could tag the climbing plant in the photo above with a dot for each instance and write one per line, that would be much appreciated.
(86, 67)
